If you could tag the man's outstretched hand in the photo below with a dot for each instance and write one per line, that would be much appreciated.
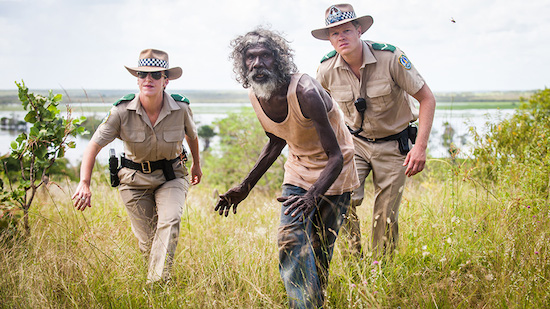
(229, 199)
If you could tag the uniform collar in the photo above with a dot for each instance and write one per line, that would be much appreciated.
(368, 57)
(169, 104)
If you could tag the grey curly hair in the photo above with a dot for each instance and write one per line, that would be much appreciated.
(274, 41)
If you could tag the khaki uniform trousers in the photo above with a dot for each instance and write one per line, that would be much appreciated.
(388, 175)
(155, 207)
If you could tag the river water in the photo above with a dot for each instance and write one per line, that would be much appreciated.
(205, 113)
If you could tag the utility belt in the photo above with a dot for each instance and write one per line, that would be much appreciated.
(403, 137)
(146, 167)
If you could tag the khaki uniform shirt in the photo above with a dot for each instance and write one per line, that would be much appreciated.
(388, 79)
(306, 156)
(129, 122)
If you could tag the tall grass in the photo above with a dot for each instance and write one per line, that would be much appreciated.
(462, 245)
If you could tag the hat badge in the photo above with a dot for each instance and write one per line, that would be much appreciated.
(334, 15)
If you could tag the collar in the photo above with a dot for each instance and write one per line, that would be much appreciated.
(168, 104)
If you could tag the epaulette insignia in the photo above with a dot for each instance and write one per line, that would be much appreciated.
(382, 46)
(328, 56)
(180, 98)
(128, 97)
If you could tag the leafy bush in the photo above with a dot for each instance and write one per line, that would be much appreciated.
(36, 151)
(516, 152)
(242, 139)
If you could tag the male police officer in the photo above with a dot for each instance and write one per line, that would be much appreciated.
(373, 82)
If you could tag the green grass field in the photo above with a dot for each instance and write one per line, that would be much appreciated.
(461, 246)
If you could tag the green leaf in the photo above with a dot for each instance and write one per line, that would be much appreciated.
(31, 117)
(33, 131)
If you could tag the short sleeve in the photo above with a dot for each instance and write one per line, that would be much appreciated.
(190, 127)
(109, 129)
(405, 74)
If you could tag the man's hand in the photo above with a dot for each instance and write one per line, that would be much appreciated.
(231, 198)
(415, 161)
(296, 203)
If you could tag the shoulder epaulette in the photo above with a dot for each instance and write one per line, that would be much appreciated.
(180, 98)
(382, 46)
(328, 56)
(128, 97)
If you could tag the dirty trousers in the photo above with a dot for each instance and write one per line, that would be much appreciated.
(155, 215)
(388, 176)
(305, 248)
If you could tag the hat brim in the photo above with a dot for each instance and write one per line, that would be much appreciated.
(173, 73)
(323, 33)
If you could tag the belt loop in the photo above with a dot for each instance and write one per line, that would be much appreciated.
(146, 167)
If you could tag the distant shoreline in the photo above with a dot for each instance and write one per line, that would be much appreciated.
(72, 96)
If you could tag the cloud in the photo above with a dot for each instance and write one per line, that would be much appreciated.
(494, 45)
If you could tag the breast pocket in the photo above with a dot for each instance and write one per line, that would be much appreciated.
(172, 141)
(135, 141)
(379, 94)
(343, 94)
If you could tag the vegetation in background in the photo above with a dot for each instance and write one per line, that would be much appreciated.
(36, 151)
(206, 132)
(474, 233)
(242, 139)
(90, 124)
(516, 151)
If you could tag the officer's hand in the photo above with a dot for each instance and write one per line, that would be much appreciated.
(82, 196)
(415, 161)
(231, 198)
(298, 203)
(196, 174)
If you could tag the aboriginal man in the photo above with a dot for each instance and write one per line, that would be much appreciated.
(320, 173)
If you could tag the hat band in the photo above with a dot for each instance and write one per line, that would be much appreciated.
(153, 62)
(338, 16)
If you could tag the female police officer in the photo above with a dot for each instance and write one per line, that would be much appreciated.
(153, 178)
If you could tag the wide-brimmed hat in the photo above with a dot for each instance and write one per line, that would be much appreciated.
(339, 14)
(154, 60)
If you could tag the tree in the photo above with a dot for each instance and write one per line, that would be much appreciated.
(37, 150)
(206, 132)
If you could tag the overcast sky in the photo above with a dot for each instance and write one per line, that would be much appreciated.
(77, 44)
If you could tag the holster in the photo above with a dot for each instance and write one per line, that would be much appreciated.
(413, 131)
(403, 142)
(114, 168)
(168, 171)
(408, 134)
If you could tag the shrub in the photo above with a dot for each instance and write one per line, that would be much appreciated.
(36, 151)
(519, 148)
(242, 139)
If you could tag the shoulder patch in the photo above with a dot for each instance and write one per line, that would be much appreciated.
(328, 56)
(382, 46)
(128, 97)
(405, 62)
(180, 98)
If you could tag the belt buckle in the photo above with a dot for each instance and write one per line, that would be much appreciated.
(146, 167)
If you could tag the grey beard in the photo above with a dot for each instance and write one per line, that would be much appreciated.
(264, 90)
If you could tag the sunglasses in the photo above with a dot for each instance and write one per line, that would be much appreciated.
(154, 75)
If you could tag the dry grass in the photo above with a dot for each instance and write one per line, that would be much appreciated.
(460, 247)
